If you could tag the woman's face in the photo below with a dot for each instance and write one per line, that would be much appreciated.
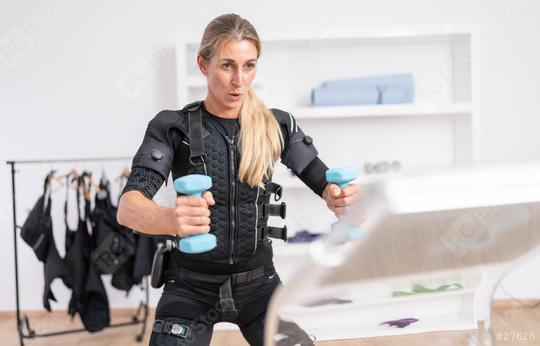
(230, 72)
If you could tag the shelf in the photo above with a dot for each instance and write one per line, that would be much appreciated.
(351, 330)
(362, 318)
(382, 301)
(363, 111)
(394, 110)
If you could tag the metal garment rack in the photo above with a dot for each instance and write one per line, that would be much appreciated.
(24, 321)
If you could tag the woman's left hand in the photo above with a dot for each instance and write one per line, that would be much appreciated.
(340, 200)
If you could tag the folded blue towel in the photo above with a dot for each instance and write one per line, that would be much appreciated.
(395, 94)
(344, 96)
(404, 80)
(398, 88)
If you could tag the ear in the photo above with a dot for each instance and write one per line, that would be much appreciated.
(201, 62)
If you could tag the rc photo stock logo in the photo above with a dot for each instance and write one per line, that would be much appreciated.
(136, 78)
(468, 232)
(15, 45)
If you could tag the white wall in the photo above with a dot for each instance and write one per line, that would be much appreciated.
(82, 79)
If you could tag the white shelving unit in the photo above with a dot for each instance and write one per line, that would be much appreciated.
(440, 129)
(371, 304)
(368, 111)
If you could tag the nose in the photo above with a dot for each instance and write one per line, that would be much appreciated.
(238, 78)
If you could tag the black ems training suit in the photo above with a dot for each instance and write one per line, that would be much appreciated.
(234, 281)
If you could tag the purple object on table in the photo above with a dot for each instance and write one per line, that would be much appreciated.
(327, 301)
(402, 323)
(303, 237)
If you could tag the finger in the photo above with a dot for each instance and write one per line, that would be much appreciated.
(350, 190)
(189, 229)
(194, 220)
(344, 201)
(207, 195)
(335, 191)
(191, 211)
(192, 201)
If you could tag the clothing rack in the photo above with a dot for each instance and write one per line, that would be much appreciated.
(24, 321)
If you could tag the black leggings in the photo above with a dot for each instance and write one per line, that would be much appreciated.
(195, 304)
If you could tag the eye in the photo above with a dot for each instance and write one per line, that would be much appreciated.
(226, 66)
(250, 66)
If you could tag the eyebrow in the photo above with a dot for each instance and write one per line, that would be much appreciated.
(232, 60)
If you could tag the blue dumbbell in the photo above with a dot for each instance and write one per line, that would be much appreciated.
(195, 185)
(342, 177)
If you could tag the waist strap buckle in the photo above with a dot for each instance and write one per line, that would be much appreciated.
(240, 278)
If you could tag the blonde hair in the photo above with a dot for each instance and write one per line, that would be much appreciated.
(260, 138)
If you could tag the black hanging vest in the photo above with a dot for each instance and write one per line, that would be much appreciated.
(37, 231)
(89, 297)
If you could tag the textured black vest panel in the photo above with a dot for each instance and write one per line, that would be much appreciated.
(236, 217)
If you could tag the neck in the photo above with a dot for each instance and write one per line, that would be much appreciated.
(219, 110)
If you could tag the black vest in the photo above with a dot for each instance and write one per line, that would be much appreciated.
(239, 217)
(189, 141)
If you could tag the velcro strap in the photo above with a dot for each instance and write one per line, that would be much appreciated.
(274, 232)
(275, 210)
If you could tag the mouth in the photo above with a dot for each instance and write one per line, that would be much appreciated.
(235, 96)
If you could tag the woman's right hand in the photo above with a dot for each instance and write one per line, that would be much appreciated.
(192, 214)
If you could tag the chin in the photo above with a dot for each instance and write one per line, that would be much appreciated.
(231, 102)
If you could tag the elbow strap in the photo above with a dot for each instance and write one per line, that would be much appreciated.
(300, 153)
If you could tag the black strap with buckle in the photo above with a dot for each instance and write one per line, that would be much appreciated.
(172, 328)
(274, 188)
(226, 301)
(236, 278)
(196, 145)
(245, 277)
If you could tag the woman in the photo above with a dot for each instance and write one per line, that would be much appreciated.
(232, 137)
